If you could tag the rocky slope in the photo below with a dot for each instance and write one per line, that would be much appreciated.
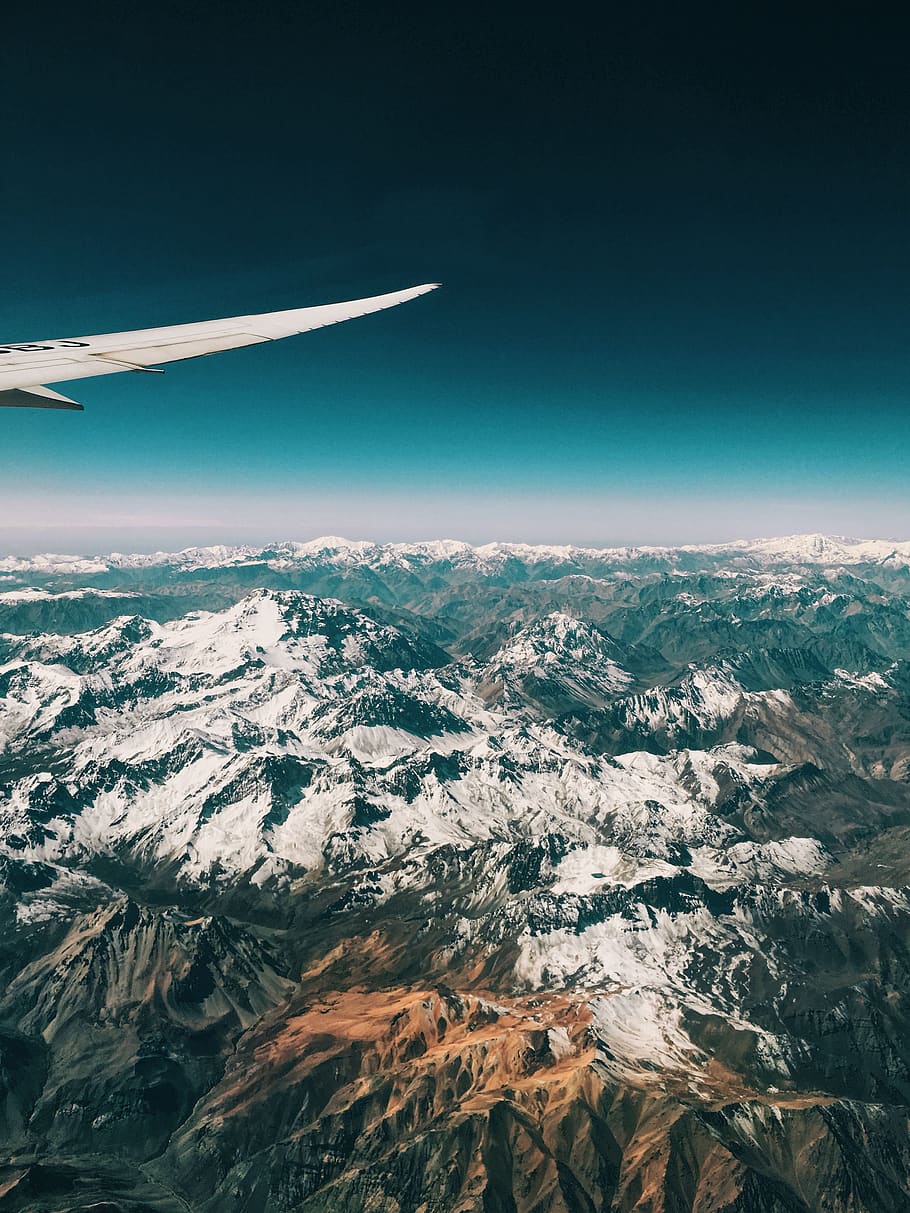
(439, 878)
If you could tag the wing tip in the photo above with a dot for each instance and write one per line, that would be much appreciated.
(413, 292)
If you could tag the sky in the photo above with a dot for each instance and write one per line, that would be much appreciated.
(673, 241)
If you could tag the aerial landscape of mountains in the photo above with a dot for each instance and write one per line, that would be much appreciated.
(433, 878)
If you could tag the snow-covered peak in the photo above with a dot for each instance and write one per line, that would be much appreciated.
(558, 636)
(814, 549)
(279, 629)
(560, 662)
(30, 594)
(287, 629)
(49, 563)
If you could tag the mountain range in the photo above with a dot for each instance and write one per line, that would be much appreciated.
(434, 878)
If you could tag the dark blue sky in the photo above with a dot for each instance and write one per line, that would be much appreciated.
(674, 242)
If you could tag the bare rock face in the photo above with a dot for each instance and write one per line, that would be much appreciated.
(436, 879)
(416, 1100)
(359, 1101)
(127, 1020)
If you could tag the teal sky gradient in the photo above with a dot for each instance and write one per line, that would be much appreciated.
(675, 268)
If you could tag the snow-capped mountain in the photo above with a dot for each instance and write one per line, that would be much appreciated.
(331, 869)
(559, 661)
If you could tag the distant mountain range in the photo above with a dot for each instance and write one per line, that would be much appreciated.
(333, 550)
(434, 879)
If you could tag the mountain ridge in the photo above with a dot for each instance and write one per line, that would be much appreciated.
(811, 547)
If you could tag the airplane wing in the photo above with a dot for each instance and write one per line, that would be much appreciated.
(26, 368)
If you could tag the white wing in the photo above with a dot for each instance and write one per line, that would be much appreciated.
(25, 368)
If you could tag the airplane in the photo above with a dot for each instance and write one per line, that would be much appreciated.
(26, 369)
